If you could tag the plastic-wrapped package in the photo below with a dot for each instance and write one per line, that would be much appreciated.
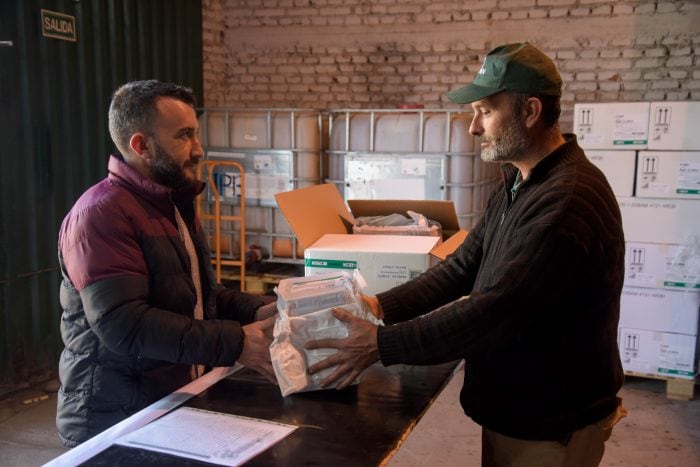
(301, 295)
(290, 360)
(397, 224)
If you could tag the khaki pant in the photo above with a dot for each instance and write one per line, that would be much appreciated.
(584, 449)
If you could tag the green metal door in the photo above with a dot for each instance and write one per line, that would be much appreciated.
(58, 68)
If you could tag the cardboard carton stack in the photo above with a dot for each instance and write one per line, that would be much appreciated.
(650, 153)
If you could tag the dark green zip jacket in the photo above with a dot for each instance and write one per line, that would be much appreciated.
(543, 274)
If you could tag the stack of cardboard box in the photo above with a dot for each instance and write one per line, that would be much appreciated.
(650, 153)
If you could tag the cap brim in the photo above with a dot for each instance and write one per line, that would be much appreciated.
(471, 93)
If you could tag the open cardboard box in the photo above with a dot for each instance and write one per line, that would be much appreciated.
(318, 210)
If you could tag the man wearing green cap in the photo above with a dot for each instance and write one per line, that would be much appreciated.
(542, 274)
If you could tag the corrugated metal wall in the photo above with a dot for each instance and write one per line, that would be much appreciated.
(54, 141)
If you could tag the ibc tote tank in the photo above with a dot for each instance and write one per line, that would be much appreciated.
(465, 179)
(280, 150)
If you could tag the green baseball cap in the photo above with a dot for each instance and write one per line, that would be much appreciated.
(512, 67)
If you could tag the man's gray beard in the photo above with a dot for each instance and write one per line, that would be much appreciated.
(509, 146)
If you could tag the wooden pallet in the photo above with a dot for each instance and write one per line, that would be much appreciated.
(676, 388)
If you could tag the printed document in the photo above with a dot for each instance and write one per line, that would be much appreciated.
(213, 437)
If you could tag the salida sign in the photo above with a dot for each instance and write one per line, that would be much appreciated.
(58, 25)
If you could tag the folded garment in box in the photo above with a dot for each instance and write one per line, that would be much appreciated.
(295, 327)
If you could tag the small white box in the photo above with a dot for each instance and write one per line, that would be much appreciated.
(668, 174)
(658, 353)
(674, 126)
(618, 168)
(659, 310)
(659, 220)
(615, 125)
(384, 261)
(656, 265)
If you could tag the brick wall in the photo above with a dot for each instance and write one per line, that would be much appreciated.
(384, 53)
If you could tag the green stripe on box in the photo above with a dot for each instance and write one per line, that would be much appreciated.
(687, 191)
(685, 285)
(626, 142)
(667, 371)
(330, 263)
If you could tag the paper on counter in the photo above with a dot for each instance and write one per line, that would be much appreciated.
(213, 437)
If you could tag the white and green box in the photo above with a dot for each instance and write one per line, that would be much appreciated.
(658, 353)
(674, 126)
(385, 261)
(668, 174)
(657, 265)
(660, 220)
(660, 310)
(618, 168)
(614, 125)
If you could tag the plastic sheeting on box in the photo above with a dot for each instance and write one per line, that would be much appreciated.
(397, 224)
(304, 315)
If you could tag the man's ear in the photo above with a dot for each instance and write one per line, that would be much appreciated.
(139, 145)
(533, 111)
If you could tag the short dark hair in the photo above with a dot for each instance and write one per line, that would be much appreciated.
(133, 107)
(551, 107)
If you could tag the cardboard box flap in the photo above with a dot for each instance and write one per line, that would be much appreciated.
(440, 211)
(450, 245)
(315, 211)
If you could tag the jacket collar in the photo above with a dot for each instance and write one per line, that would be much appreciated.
(160, 196)
(540, 170)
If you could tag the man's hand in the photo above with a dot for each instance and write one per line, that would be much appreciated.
(256, 347)
(355, 353)
(266, 311)
(372, 304)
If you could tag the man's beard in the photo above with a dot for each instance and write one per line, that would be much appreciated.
(510, 145)
(165, 171)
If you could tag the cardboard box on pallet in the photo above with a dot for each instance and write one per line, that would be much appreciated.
(317, 212)
(668, 174)
(618, 168)
(659, 310)
(659, 220)
(658, 353)
(617, 125)
(674, 126)
(663, 266)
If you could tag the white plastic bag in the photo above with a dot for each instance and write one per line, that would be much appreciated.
(290, 360)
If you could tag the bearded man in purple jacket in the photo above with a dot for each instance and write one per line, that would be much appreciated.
(142, 313)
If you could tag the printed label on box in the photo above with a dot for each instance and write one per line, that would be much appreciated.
(688, 178)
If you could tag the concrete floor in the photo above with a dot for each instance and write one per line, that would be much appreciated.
(657, 432)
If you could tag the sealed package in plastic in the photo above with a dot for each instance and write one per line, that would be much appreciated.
(290, 360)
(301, 295)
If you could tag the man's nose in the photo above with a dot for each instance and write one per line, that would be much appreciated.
(475, 127)
(197, 149)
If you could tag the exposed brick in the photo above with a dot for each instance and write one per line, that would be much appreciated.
(666, 7)
(537, 13)
(679, 62)
(622, 9)
(586, 76)
(648, 62)
(630, 66)
(645, 8)
(558, 12)
(665, 84)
